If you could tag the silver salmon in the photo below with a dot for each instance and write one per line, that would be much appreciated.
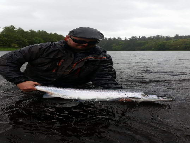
(98, 95)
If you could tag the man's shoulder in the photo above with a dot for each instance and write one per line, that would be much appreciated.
(61, 42)
(99, 50)
(52, 46)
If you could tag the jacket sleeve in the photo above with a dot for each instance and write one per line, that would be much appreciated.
(11, 63)
(105, 76)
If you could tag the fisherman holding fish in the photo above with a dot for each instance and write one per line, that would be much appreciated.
(71, 62)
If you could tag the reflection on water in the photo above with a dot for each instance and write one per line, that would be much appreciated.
(30, 118)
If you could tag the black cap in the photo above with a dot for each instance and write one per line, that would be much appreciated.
(86, 32)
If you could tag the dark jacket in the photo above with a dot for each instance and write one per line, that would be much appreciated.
(55, 63)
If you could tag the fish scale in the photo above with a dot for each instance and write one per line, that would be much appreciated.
(98, 95)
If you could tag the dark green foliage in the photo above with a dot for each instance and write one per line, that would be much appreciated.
(17, 38)
(153, 43)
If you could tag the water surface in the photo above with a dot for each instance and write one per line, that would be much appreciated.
(29, 118)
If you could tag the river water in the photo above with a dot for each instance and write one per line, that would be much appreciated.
(27, 118)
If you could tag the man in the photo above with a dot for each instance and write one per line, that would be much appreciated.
(71, 62)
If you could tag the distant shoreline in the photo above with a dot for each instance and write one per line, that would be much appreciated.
(13, 49)
(8, 49)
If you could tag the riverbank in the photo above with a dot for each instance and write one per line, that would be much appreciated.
(8, 49)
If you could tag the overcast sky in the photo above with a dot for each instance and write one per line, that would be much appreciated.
(114, 18)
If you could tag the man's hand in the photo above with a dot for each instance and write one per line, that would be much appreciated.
(27, 86)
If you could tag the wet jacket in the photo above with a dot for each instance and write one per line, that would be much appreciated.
(55, 63)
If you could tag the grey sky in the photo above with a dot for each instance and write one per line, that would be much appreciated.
(114, 18)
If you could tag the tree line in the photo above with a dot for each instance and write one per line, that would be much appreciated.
(13, 37)
(152, 43)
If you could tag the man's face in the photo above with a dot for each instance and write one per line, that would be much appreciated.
(80, 43)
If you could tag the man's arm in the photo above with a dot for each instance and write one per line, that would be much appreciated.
(11, 63)
(105, 76)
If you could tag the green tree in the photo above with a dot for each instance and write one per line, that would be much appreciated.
(17, 38)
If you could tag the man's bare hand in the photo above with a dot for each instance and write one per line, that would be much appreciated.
(27, 86)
